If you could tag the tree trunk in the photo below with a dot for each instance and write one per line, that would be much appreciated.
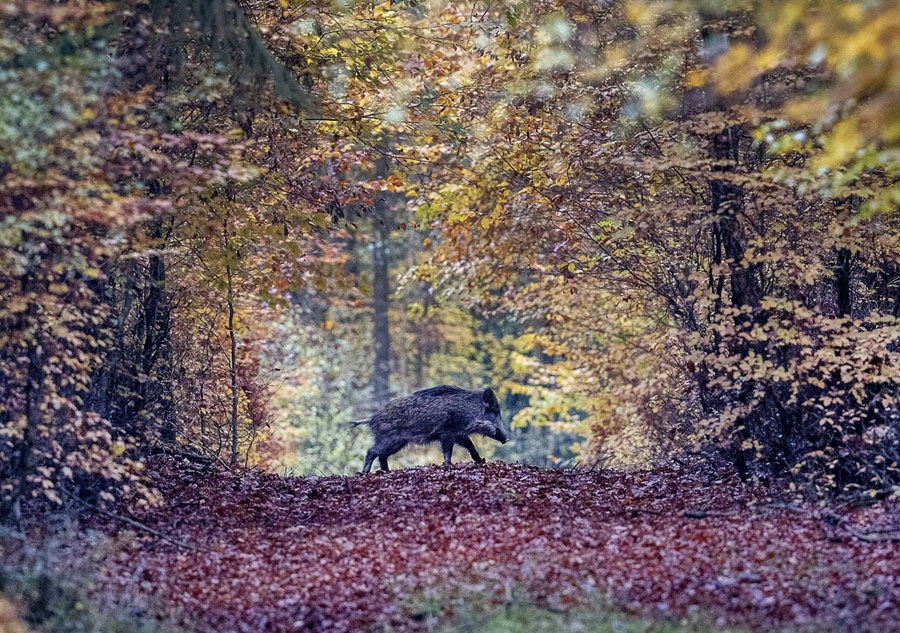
(103, 399)
(842, 269)
(153, 346)
(232, 365)
(727, 205)
(381, 288)
(34, 387)
(157, 341)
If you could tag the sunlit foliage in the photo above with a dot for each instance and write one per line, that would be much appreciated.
(705, 266)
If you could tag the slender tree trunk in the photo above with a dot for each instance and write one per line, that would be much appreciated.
(381, 288)
(842, 269)
(843, 265)
(421, 354)
(156, 344)
(34, 379)
(232, 369)
(381, 303)
(104, 391)
(727, 206)
(34, 386)
(154, 341)
(201, 414)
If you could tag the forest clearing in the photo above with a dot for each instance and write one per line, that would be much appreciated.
(498, 316)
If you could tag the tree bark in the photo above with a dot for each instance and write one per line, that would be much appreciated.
(153, 345)
(842, 270)
(381, 288)
(727, 205)
(232, 368)
(103, 397)
(33, 388)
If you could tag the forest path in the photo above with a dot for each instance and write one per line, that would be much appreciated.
(365, 553)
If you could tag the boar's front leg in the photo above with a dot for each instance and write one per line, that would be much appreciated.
(467, 444)
(447, 442)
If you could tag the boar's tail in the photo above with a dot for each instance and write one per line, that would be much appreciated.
(356, 423)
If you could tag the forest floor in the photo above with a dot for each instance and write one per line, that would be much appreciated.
(410, 550)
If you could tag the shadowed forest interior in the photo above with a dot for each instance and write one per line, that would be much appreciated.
(655, 240)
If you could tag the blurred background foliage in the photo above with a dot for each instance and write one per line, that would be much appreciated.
(231, 228)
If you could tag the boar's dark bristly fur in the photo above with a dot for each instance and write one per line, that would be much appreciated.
(446, 414)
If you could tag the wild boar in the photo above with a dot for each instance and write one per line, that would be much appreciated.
(447, 414)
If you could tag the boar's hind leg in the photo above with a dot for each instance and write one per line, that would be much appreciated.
(447, 442)
(383, 451)
(370, 457)
(467, 444)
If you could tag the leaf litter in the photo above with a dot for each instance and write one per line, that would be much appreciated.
(350, 554)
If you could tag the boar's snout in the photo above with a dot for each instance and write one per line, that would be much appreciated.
(501, 437)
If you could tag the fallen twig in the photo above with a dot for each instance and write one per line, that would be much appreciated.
(836, 520)
(869, 537)
(703, 514)
(136, 524)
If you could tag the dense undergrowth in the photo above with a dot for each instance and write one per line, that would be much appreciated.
(49, 584)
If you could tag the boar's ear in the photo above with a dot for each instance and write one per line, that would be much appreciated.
(489, 399)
